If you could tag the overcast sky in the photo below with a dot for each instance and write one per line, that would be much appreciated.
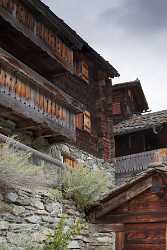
(131, 34)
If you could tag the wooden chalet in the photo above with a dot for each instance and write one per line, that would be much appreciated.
(136, 212)
(52, 82)
(140, 139)
(128, 99)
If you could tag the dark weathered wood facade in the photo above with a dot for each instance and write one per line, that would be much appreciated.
(128, 99)
(137, 212)
(34, 35)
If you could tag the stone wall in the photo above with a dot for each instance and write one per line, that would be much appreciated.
(83, 158)
(33, 215)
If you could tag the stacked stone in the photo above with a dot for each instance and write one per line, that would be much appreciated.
(26, 214)
(86, 159)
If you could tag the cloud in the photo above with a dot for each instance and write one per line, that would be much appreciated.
(137, 16)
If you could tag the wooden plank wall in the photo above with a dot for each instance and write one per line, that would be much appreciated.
(24, 91)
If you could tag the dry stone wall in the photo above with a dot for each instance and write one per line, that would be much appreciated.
(27, 217)
(83, 158)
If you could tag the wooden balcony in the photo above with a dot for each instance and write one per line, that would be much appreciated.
(37, 158)
(130, 165)
(28, 35)
(38, 103)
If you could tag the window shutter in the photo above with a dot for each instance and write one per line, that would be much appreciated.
(83, 121)
(87, 122)
(70, 162)
(79, 121)
(85, 71)
(82, 70)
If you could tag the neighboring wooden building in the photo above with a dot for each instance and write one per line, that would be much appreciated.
(137, 212)
(140, 139)
(52, 83)
(128, 99)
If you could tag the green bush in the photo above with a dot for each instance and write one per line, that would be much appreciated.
(85, 186)
(61, 238)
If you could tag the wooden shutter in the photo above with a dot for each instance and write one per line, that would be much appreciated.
(85, 71)
(79, 121)
(70, 162)
(87, 122)
(83, 121)
(82, 70)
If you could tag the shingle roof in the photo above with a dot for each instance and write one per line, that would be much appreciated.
(141, 122)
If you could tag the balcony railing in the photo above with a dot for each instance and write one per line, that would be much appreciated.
(37, 157)
(130, 165)
(21, 17)
(33, 97)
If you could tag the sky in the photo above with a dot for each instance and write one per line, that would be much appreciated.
(130, 34)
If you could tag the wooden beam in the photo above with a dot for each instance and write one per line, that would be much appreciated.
(135, 217)
(106, 228)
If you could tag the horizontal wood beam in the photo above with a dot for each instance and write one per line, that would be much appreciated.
(107, 228)
(138, 217)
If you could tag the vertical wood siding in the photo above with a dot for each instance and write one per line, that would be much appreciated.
(33, 96)
(40, 30)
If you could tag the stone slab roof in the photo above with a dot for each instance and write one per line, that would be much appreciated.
(141, 122)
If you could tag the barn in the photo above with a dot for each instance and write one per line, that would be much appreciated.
(136, 212)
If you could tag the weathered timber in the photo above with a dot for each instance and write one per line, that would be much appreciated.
(143, 217)
(30, 75)
(22, 20)
(31, 112)
(123, 197)
(34, 153)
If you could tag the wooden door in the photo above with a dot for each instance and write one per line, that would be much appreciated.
(148, 236)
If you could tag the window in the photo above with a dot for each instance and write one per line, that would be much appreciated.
(82, 69)
(83, 121)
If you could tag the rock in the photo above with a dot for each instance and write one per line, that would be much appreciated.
(4, 225)
(54, 208)
(41, 212)
(104, 239)
(21, 227)
(24, 202)
(74, 245)
(65, 149)
(17, 210)
(39, 237)
(33, 219)
(50, 220)
(1, 197)
(37, 204)
(2, 241)
(12, 197)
